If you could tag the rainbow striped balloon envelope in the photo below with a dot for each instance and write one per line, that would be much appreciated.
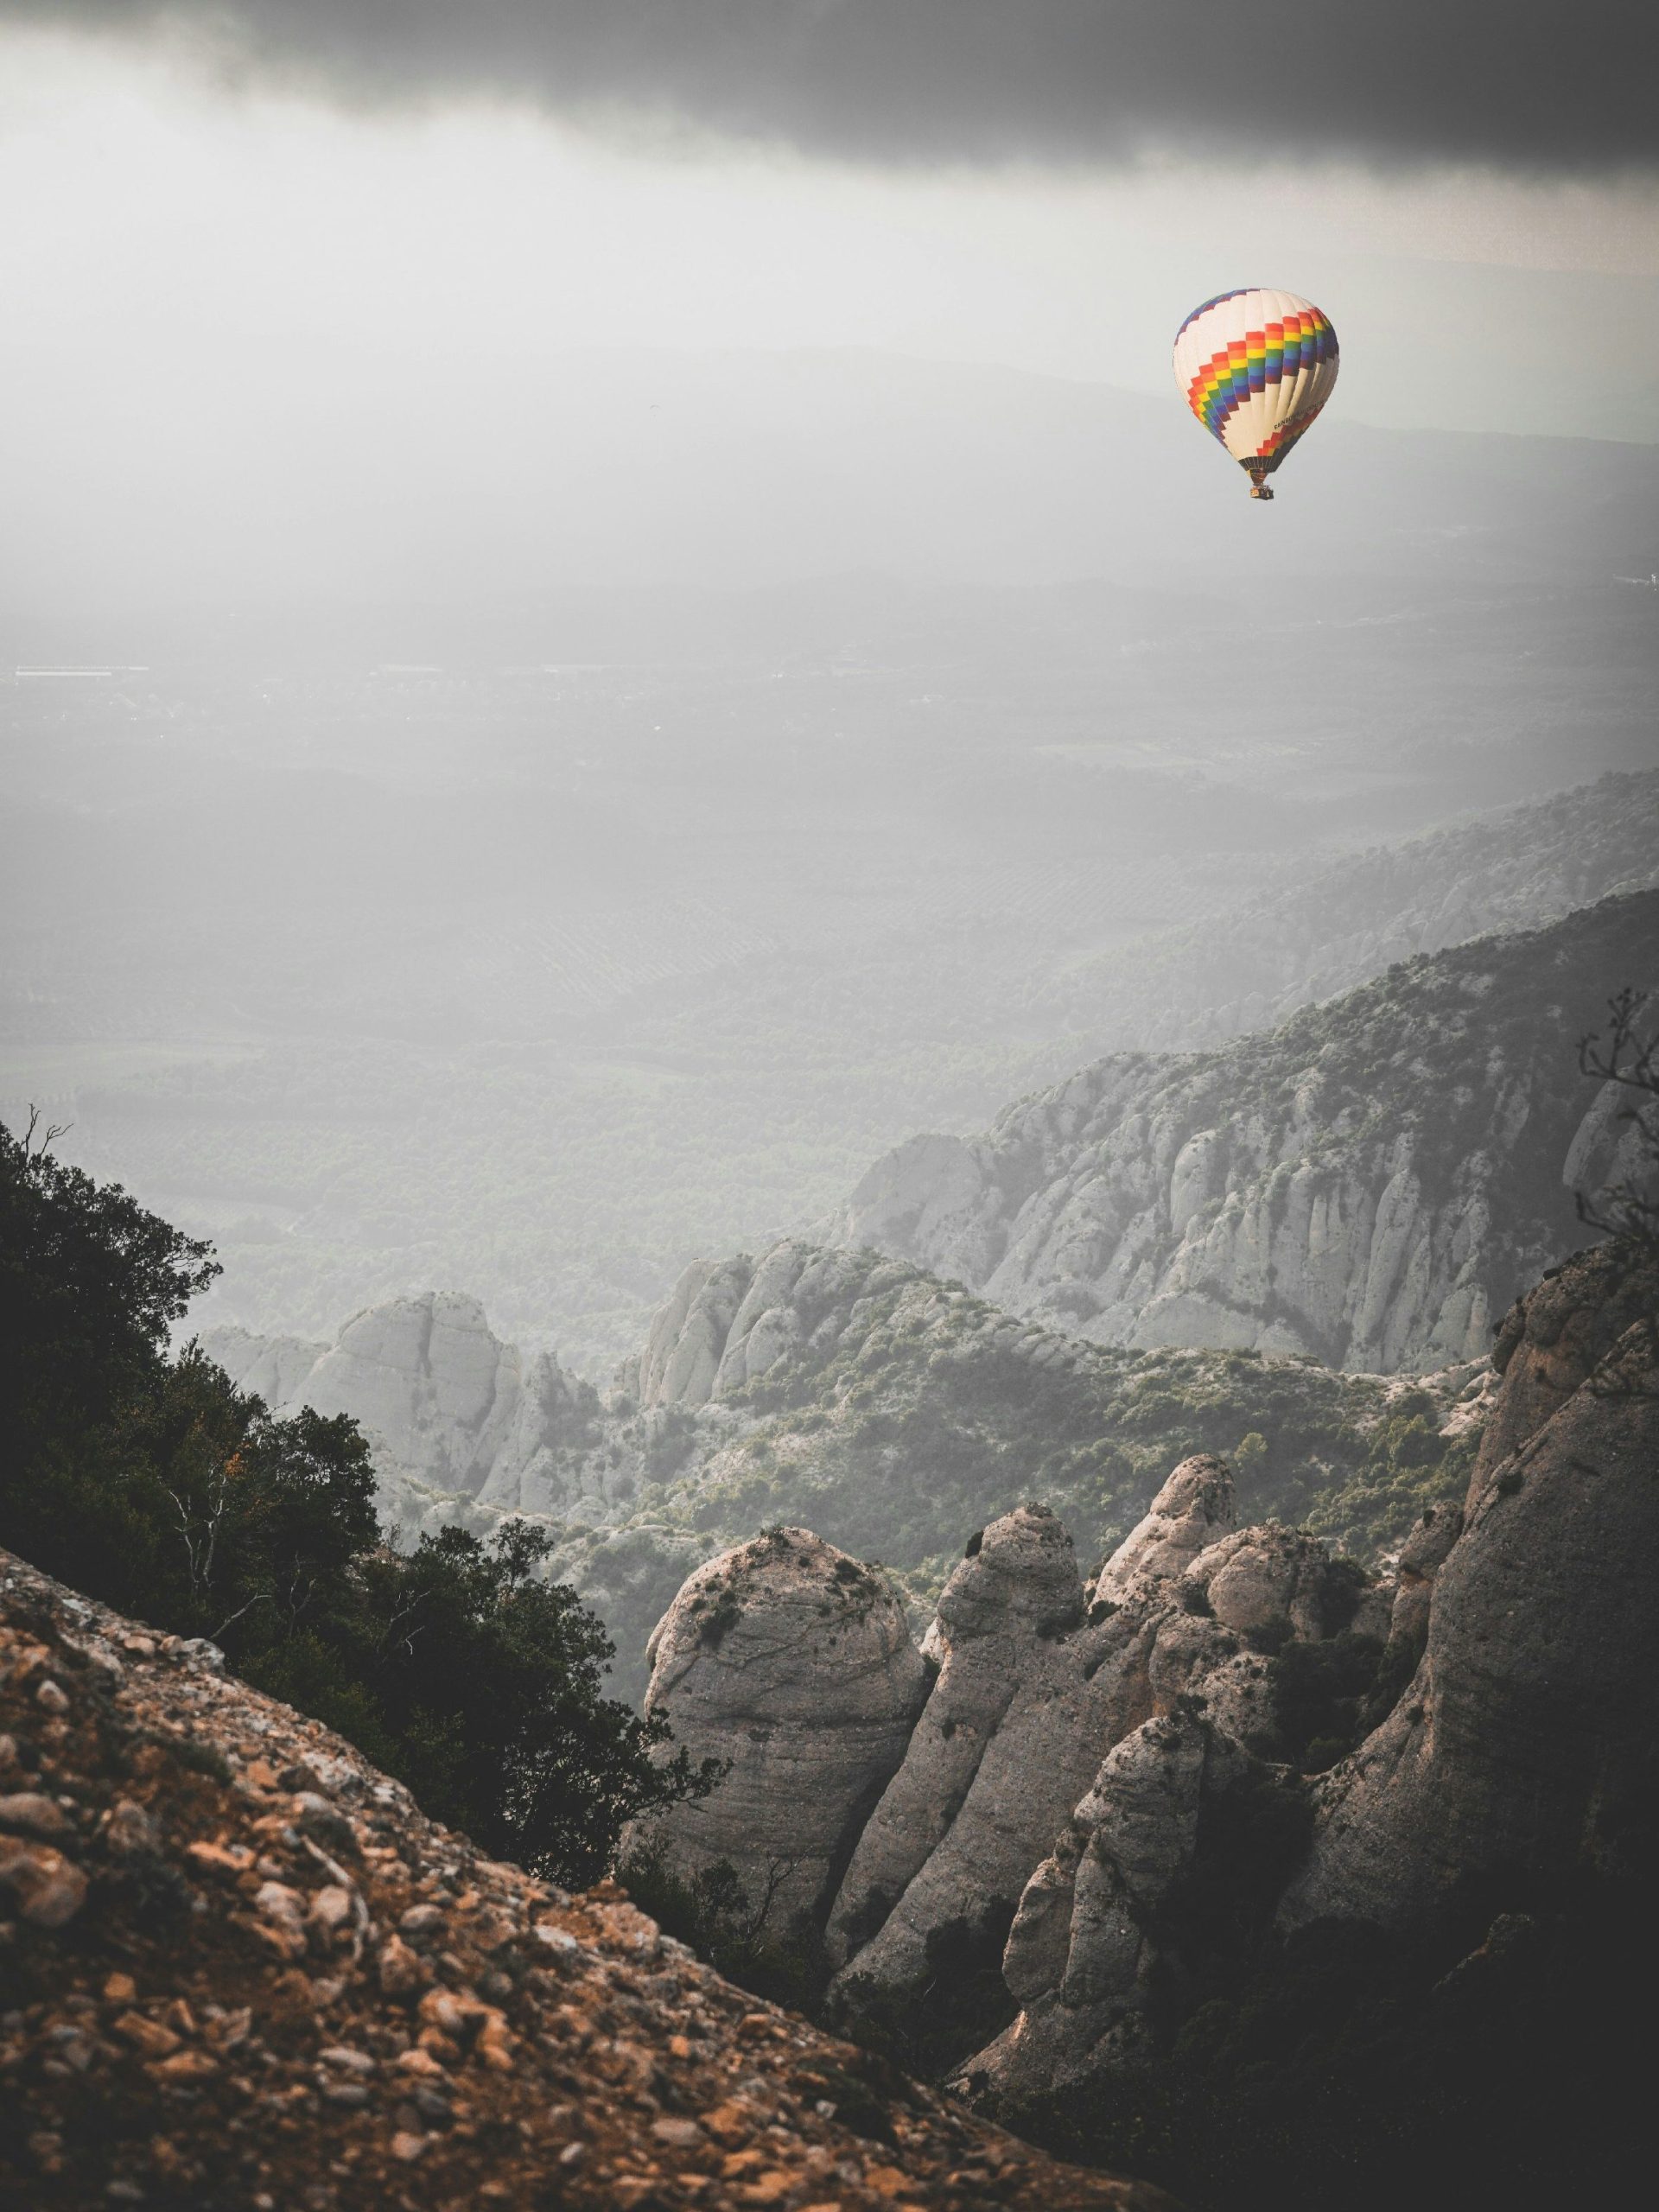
(1256, 367)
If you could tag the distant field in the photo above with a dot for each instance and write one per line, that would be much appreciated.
(50, 1075)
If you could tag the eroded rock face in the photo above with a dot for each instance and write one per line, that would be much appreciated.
(1184, 1661)
(271, 1368)
(728, 1322)
(1526, 1737)
(1303, 1190)
(1262, 1581)
(449, 1410)
(687, 1334)
(1194, 1507)
(1524, 1743)
(793, 1663)
(1550, 1342)
(1092, 1923)
(999, 1754)
(1421, 1557)
(1033, 1694)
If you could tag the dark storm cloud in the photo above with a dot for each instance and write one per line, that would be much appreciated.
(1565, 85)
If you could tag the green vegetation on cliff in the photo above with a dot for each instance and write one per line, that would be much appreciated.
(928, 1413)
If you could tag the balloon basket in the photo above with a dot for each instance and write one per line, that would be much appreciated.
(1260, 491)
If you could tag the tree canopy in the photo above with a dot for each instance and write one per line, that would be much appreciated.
(151, 1481)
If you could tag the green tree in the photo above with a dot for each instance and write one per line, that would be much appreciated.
(489, 1680)
(157, 1486)
(90, 1284)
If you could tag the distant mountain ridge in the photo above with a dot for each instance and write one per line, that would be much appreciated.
(1519, 868)
(1372, 1183)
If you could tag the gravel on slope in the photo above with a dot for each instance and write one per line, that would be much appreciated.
(239, 1968)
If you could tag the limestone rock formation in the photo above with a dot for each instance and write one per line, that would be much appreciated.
(728, 1322)
(1086, 1942)
(1034, 1693)
(242, 1969)
(1521, 1748)
(1183, 1700)
(449, 1410)
(1421, 1557)
(1371, 1183)
(688, 1335)
(271, 1368)
(1259, 1581)
(997, 1758)
(823, 1361)
(1526, 1737)
(1194, 1507)
(793, 1663)
(1550, 1342)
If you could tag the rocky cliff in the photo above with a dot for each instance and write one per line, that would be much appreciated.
(1230, 1778)
(1527, 1735)
(1038, 1680)
(862, 1397)
(449, 1410)
(792, 1665)
(1372, 1183)
(241, 1970)
(1478, 1862)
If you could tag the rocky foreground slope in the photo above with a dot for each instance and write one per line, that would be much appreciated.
(1135, 1798)
(1373, 1183)
(238, 1968)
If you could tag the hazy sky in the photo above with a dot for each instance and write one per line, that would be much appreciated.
(220, 243)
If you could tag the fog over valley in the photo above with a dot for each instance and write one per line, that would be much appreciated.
(534, 943)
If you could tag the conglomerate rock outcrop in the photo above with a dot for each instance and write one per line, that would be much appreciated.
(1527, 1736)
(1091, 1760)
(791, 1664)
(450, 1411)
(1036, 1685)
(1194, 1507)
(1084, 1952)
(995, 1758)
(728, 1322)
(1521, 1745)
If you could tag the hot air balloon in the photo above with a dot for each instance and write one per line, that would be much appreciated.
(1256, 368)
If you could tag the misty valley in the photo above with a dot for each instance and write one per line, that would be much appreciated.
(538, 979)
